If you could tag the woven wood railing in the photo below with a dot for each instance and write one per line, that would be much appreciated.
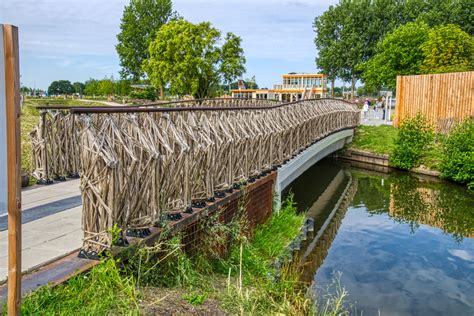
(142, 166)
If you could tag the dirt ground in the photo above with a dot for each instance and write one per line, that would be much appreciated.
(164, 301)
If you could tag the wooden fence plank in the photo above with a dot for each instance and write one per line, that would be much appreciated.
(442, 98)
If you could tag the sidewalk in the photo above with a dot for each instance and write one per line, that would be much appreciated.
(51, 217)
(374, 118)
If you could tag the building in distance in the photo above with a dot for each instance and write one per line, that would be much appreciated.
(295, 87)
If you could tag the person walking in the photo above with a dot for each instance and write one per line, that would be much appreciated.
(384, 106)
(365, 109)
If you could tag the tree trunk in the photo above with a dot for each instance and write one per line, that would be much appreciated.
(353, 87)
(332, 88)
(162, 92)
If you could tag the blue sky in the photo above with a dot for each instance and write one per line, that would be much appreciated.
(75, 40)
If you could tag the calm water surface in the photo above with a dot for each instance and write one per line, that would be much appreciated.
(401, 245)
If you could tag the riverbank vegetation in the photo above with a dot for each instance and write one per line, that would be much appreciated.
(415, 144)
(163, 278)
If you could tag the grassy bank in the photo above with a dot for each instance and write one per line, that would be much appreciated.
(242, 282)
(381, 140)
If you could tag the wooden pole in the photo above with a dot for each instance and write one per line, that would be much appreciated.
(12, 98)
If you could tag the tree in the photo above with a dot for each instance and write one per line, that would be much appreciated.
(79, 87)
(60, 87)
(233, 59)
(187, 57)
(326, 41)
(91, 87)
(106, 87)
(399, 53)
(140, 22)
(447, 49)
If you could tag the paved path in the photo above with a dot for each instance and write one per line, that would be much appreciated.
(374, 118)
(109, 103)
(51, 225)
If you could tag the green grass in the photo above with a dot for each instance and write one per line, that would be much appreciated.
(375, 139)
(243, 282)
(98, 292)
(29, 120)
(381, 140)
(59, 102)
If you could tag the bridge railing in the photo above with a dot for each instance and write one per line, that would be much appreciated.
(55, 141)
(142, 166)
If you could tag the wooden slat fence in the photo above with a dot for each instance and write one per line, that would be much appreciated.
(443, 99)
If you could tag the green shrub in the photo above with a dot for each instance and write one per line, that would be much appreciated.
(458, 154)
(146, 94)
(414, 136)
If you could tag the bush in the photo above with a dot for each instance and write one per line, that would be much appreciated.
(414, 137)
(458, 154)
(146, 94)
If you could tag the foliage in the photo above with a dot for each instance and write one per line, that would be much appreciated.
(79, 87)
(399, 53)
(347, 34)
(233, 59)
(249, 84)
(376, 139)
(326, 41)
(145, 94)
(187, 57)
(447, 49)
(98, 292)
(414, 137)
(60, 87)
(195, 298)
(113, 286)
(458, 159)
(106, 87)
(140, 22)
(29, 121)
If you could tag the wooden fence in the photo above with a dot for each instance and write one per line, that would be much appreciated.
(442, 98)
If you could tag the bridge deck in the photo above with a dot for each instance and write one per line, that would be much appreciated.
(51, 225)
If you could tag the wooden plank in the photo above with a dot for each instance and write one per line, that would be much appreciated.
(12, 102)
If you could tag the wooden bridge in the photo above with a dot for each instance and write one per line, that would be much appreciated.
(146, 165)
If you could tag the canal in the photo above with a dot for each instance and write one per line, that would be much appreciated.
(399, 244)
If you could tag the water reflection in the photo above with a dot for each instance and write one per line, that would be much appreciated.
(404, 244)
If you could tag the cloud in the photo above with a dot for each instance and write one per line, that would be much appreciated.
(81, 34)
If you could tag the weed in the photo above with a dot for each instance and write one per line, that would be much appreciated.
(195, 298)
(100, 291)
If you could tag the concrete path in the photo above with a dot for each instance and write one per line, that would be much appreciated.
(109, 103)
(374, 118)
(51, 225)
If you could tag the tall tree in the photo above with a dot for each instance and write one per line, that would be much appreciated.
(233, 59)
(60, 87)
(399, 53)
(188, 58)
(79, 87)
(326, 27)
(140, 22)
(447, 49)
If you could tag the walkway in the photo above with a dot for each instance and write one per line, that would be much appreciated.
(374, 118)
(51, 225)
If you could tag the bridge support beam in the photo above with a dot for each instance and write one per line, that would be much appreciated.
(298, 165)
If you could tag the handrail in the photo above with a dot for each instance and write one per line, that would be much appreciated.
(144, 107)
(116, 109)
